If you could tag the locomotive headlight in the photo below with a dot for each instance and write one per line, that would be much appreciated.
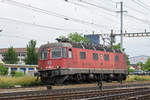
(57, 67)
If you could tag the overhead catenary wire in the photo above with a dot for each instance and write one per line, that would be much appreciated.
(138, 11)
(21, 37)
(133, 17)
(43, 26)
(46, 12)
(98, 6)
(139, 19)
(39, 10)
(76, 3)
(87, 7)
(37, 25)
(141, 5)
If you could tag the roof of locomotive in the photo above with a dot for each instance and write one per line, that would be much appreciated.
(80, 45)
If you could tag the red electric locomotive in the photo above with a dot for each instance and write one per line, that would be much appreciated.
(75, 62)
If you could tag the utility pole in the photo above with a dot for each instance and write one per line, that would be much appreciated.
(1, 31)
(121, 23)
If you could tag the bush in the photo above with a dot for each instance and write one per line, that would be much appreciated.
(8, 82)
(3, 70)
(138, 78)
(19, 74)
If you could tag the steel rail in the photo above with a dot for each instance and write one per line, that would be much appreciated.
(68, 92)
(73, 95)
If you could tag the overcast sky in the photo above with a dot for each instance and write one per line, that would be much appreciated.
(45, 20)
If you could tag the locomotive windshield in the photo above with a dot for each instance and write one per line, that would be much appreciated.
(44, 54)
(58, 52)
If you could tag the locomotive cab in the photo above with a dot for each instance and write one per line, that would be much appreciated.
(53, 58)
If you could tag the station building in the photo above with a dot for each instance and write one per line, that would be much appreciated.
(22, 53)
(26, 69)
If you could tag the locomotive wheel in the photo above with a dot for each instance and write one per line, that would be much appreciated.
(120, 78)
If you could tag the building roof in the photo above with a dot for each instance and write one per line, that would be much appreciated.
(19, 65)
(18, 50)
(136, 59)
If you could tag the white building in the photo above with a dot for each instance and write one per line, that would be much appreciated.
(135, 60)
(22, 52)
(26, 69)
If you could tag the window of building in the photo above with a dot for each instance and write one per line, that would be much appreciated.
(21, 59)
(82, 55)
(70, 53)
(19, 54)
(106, 57)
(116, 58)
(23, 54)
(95, 56)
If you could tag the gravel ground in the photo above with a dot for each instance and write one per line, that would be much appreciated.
(36, 88)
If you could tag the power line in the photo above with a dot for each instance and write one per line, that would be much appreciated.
(39, 10)
(87, 7)
(141, 5)
(94, 5)
(138, 19)
(132, 8)
(41, 26)
(32, 24)
(75, 3)
(20, 37)
(98, 6)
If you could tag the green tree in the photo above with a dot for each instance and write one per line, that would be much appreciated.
(142, 65)
(147, 64)
(139, 64)
(3, 70)
(130, 70)
(76, 37)
(117, 46)
(10, 57)
(32, 55)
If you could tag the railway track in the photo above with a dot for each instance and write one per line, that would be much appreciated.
(89, 93)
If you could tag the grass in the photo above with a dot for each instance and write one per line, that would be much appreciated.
(138, 78)
(8, 82)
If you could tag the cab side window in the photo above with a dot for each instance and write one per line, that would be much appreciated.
(117, 58)
(106, 57)
(95, 56)
(82, 55)
(70, 53)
